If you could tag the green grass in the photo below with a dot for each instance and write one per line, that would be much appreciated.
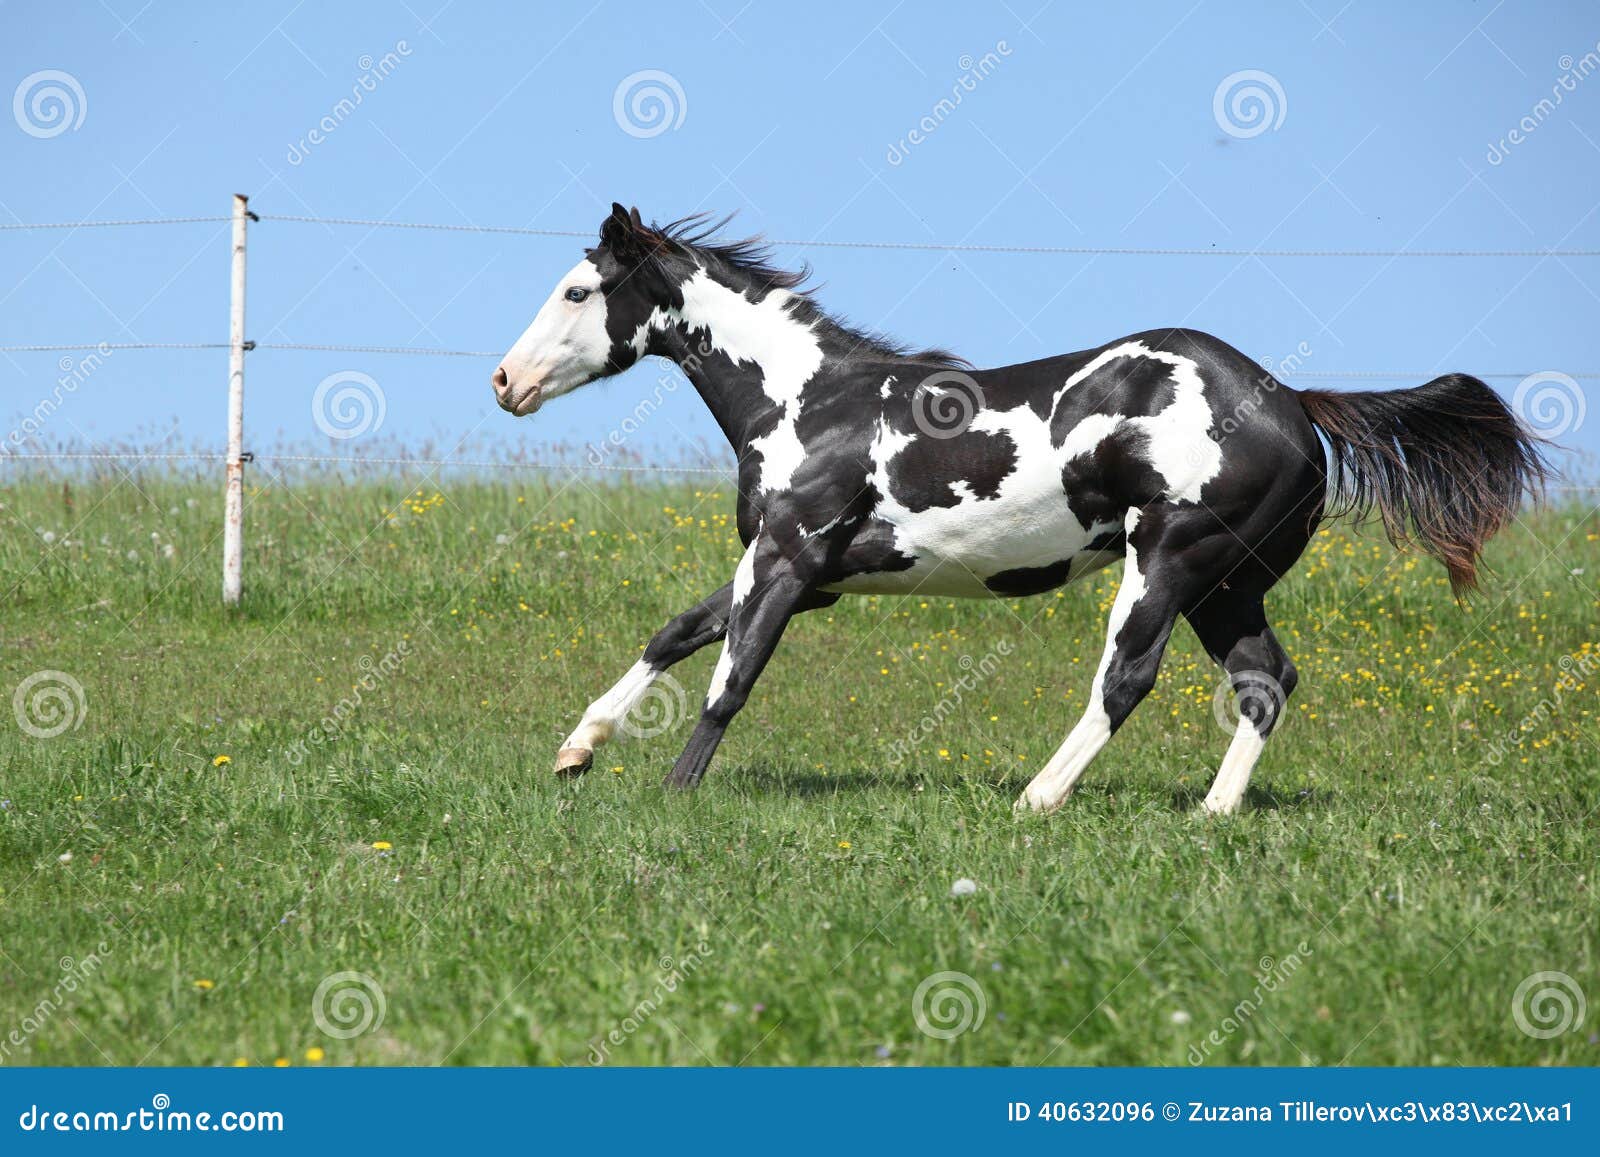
(1403, 865)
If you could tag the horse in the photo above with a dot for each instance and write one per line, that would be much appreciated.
(867, 467)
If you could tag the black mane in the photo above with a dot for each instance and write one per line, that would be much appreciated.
(749, 264)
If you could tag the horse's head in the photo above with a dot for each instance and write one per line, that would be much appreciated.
(586, 328)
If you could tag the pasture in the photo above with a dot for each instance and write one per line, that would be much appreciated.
(352, 775)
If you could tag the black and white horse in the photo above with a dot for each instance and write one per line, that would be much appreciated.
(865, 467)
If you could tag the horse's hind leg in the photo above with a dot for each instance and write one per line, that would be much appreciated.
(1232, 626)
(1142, 615)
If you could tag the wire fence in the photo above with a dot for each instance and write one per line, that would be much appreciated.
(530, 231)
(362, 460)
(824, 243)
(422, 351)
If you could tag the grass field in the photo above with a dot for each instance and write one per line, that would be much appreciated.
(351, 776)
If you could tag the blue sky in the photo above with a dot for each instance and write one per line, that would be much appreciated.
(1092, 125)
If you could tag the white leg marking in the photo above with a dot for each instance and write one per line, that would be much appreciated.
(744, 581)
(1050, 788)
(605, 715)
(719, 675)
(1227, 790)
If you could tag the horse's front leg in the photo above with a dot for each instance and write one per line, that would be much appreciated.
(769, 589)
(703, 623)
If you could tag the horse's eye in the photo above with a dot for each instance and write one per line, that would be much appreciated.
(577, 293)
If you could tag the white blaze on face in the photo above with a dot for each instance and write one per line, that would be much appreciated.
(565, 347)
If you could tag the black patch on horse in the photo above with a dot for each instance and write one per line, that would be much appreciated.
(925, 472)
(1029, 580)
(870, 549)
(1102, 484)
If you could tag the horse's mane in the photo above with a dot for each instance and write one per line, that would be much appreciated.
(749, 260)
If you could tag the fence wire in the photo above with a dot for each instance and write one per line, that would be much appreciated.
(822, 243)
(531, 231)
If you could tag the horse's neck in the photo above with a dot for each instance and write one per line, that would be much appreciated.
(747, 358)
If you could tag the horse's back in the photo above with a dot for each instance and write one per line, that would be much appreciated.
(1033, 489)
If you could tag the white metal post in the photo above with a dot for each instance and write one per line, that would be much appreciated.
(233, 516)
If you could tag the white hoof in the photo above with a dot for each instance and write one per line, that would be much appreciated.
(574, 761)
(1033, 802)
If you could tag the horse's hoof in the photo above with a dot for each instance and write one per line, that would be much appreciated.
(573, 761)
(1030, 805)
(676, 782)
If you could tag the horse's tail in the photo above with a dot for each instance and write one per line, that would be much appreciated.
(1446, 465)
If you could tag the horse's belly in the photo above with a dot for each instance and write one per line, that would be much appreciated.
(957, 549)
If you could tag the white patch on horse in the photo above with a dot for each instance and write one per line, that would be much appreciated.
(744, 581)
(1027, 524)
(1233, 777)
(606, 714)
(835, 521)
(1178, 444)
(763, 332)
(1050, 788)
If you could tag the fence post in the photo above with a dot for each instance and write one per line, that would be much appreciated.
(233, 506)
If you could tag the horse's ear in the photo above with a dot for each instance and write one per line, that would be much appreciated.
(619, 233)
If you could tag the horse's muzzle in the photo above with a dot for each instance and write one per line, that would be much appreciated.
(518, 405)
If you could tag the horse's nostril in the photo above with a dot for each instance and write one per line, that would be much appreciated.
(499, 379)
